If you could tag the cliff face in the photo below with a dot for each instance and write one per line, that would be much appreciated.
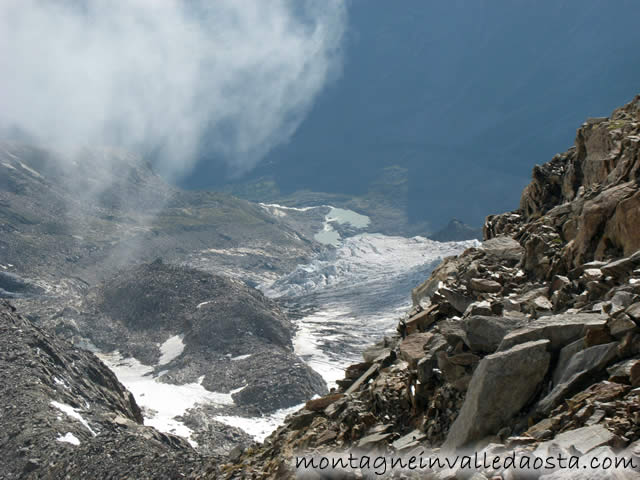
(529, 343)
(586, 200)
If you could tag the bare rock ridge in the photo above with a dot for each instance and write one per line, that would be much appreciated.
(530, 342)
(456, 231)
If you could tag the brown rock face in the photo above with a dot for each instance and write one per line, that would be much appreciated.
(586, 200)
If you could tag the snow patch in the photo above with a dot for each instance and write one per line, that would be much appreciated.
(240, 357)
(73, 413)
(239, 389)
(30, 170)
(69, 438)
(59, 381)
(231, 252)
(171, 349)
(163, 402)
(259, 427)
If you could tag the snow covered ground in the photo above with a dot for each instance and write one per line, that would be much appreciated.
(171, 349)
(69, 438)
(259, 427)
(73, 413)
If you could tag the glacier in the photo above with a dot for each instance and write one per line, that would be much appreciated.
(353, 294)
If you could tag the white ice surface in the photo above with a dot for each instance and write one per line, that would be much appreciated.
(171, 349)
(69, 438)
(362, 285)
(328, 235)
(73, 413)
(309, 339)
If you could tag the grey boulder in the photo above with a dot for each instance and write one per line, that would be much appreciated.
(502, 384)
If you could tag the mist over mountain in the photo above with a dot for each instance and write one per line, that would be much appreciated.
(158, 77)
(466, 96)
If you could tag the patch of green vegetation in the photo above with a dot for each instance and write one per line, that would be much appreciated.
(13, 217)
(385, 201)
(617, 124)
(262, 190)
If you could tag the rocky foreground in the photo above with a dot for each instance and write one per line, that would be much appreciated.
(530, 342)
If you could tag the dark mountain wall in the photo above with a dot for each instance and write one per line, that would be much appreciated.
(466, 95)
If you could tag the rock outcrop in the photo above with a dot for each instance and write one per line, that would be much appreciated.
(456, 231)
(501, 386)
(529, 343)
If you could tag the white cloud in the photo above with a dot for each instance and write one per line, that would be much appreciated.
(143, 73)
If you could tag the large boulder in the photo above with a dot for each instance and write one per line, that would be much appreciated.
(484, 285)
(446, 269)
(581, 369)
(583, 440)
(412, 347)
(484, 333)
(503, 248)
(457, 300)
(426, 365)
(558, 329)
(502, 384)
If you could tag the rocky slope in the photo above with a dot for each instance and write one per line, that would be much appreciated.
(65, 415)
(91, 213)
(179, 326)
(75, 233)
(529, 343)
(231, 337)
